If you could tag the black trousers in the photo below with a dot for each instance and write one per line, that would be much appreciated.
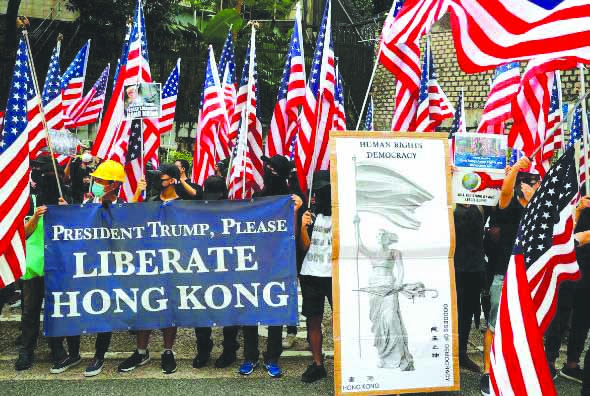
(101, 345)
(230, 335)
(469, 285)
(580, 317)
(560, 323)
(274, 343)
(5, 294)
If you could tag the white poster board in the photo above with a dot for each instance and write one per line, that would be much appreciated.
(393, 287)
(480, 160)
(143, 100)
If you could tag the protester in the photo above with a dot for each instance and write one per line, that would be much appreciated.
(276, 171)
(79, 170)
(517, 190)
(469, 272)
(221, 168)
(169, 175)
(185, 188)
(316, 272)
(215, 189)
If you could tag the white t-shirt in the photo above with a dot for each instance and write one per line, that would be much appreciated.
(318, 260)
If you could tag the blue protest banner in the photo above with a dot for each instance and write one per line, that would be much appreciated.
(182, 263)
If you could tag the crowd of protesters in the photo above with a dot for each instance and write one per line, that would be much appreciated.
(84, 180)
(485, 237)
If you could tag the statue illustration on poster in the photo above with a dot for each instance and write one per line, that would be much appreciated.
(387, 193)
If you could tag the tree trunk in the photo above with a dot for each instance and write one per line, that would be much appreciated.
(11, 14)
(239, 4)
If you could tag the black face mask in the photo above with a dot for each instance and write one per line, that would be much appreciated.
(323, 201)
(274, 184)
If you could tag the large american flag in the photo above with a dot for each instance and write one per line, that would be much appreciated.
(134, 68)
(339, 123)
(284, 123)
(52, 97)
(72, 81)
(543, 256)
(484, 31)
(531, 105)
(575, 136)
(14, 172)
(36, 130)
(400, 54)
(133, 163)
(551, 143)
(433, 104)
(247, 165)
(213, 118)
(155, 127)
(88, 109)
(318, 109)
(498, 107)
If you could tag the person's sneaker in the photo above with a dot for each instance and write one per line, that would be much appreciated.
(247, 367)
(94, 368)
(574, 374)
(134, 361)
(226, 359)
(273, 369)
(314, 373)
(24, 361)
(289, 341)
(484, 385)
(65, 364)
(468, 364)
(203, 355)
(168, 362)
(553, 372)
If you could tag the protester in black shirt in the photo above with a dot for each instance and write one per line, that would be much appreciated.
(517, 190)
(185, 188)
(79, 170)
(169, 175)
(469, 272)
(215, 189)
(276, 171)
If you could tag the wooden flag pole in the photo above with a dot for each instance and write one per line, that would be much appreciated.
(42, 112)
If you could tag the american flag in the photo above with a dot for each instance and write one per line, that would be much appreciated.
(247, 164)
(433, 104)
(318, 109)
(400, 54)
(155, 127)
(283, 126)
(134, 68)
(515, 156)
(124, 51)
(14, 172)
(459, 124)
(88, 109)
(498, 107)
(133, 163)
(339, 123)
(229, 85)
(369, 118)
(484, 31)
(575, 136)
(52, 97)
(36, 129)
(212, 119)
(551, 143)
(531, 104)
(543, 256)
(1, 120)
(72, 81)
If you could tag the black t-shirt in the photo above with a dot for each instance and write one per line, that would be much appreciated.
(181, 192)
(469, 227)
(506, 221)
(583, 224)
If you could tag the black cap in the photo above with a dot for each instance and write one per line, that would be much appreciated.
(43, 162)
(279, 163)
(214, 188)
(170, 170)
(321, 179)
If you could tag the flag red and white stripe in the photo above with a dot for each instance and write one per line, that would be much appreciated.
(498, 107)
(88, 109)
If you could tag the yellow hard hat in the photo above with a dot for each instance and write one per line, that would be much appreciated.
(110, 170)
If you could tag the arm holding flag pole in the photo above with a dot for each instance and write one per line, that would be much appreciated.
(36, 85)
